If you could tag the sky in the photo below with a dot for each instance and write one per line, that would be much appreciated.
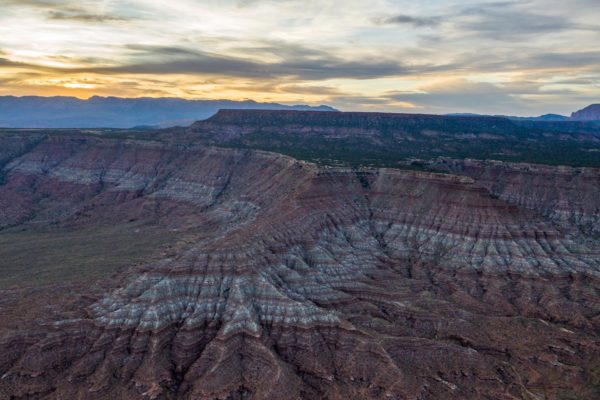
(526, 57)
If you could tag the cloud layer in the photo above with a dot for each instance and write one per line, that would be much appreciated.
(518, 57)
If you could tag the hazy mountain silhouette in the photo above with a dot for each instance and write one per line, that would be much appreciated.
(115, 112)
(545, 117)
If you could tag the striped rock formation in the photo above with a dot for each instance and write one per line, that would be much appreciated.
(565, 195)
(302, 282)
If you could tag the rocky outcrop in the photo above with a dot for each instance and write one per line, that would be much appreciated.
(565, 195)
(13, 145)
(590, 113)
(298, 281)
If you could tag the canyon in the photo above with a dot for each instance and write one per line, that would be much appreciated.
(219, 261)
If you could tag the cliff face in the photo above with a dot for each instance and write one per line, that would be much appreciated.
(14, 145)
(298, 281)
(567, 196)
(590, 113)
(234, 124)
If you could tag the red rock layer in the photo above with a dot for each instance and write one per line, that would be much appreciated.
(567, 196)
(304, 282)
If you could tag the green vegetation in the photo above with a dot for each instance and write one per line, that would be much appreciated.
(398, 140)
(402, 142)
(393, 151)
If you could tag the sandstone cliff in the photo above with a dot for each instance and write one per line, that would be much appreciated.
(590, 113)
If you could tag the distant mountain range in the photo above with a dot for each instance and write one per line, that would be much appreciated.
(545, 117)
(115, 112)
(590, 113)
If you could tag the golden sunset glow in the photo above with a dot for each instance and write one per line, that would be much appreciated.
(438, 56)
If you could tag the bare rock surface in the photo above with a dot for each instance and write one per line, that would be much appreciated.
(589, 113)
(304, 282)
(567, 196)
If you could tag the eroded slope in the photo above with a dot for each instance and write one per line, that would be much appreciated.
(567, 196)
(296, 281)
